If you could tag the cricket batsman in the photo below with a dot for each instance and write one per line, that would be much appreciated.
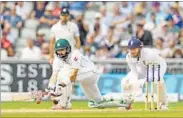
(137, 59)
(71, 66)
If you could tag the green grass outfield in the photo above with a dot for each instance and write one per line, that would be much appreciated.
(80, 109)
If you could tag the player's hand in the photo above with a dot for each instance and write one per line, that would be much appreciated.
(50, 90)
(51, 60)
(74, 75)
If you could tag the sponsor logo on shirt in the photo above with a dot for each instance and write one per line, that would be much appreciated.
(75, 58)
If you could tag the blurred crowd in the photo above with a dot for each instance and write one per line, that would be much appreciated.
(105, 27)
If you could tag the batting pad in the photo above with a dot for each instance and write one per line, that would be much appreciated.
(65, 98)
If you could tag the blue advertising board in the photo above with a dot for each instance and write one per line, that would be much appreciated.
(112, 83)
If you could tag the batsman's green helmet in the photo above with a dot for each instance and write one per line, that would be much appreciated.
(61, 44)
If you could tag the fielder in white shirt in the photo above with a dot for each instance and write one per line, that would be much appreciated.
(64, 29)
(137, 60)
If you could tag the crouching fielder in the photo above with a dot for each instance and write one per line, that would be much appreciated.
(71, 66)
(137, 59)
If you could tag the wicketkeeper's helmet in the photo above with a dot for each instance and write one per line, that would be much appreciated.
(135, 43)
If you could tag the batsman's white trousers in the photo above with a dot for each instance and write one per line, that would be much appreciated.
(88, 82)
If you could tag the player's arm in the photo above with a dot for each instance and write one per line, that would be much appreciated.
(74, 69)
(53, 79)
(77, 37)
(78, 42)
(131, 65)
(51, 46)
(73, 75)
(56, 66)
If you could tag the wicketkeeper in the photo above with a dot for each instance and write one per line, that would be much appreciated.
(137, 59)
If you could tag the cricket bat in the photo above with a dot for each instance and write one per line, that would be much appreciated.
(24, 96)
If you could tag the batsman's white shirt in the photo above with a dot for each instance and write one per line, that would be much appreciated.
(138, 66)
(68, 31)
(88, 74)
(76, 60)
